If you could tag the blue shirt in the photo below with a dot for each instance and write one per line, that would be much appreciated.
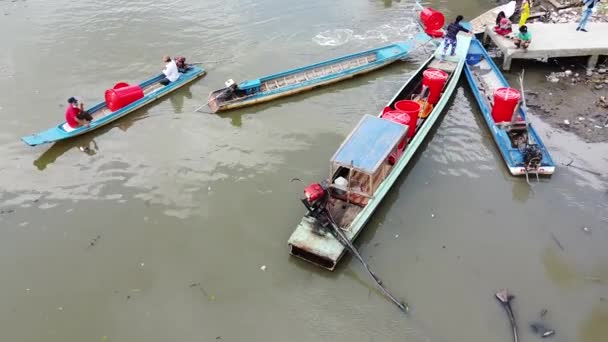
(453, 30)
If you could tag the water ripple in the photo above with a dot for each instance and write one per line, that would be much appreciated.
(459, 144)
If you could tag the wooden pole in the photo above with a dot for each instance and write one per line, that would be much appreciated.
(350, 173)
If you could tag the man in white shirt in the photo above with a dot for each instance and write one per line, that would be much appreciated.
(170, 71)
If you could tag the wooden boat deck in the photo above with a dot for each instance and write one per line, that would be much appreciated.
(343, 213)
(446, 66)
(488, 80)
(318, 72)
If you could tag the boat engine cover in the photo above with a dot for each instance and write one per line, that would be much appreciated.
(314, 192)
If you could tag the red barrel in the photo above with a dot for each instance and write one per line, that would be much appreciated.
(404, 119)
(121, 95)
(431, 19)
(408, 119)
(434, 33)
(120, 85)
(434, 79)
(505, 102)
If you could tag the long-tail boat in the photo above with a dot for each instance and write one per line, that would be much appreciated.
(503, 109)
(372, 157)
(302, 79)
(120, 101)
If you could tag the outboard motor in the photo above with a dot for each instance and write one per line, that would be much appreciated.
(230, 92)
(315, 198)
(532, 156)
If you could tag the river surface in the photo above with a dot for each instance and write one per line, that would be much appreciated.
(161, 231)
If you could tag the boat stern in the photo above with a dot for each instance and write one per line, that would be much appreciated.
(315, 244)
(521, 171)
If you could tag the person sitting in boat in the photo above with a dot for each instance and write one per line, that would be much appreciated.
(450, 36)
(170, 71)
(524, 38)
(182, 67)
(75, 115)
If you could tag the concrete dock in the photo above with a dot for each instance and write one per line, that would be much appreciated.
(554, 41)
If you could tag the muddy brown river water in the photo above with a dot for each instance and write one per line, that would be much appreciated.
(160, 232)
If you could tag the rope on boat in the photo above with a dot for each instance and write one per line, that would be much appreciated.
(346, 242)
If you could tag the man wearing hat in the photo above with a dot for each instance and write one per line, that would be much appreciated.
(75, 115)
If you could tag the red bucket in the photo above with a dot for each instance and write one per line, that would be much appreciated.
(505, 102)
(431, 19)
(122, 96)
(434, 79)
(409, 107)
(407, 119)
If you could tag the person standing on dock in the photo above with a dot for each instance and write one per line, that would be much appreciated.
(525, 12)
(450, 36)
(588, 6)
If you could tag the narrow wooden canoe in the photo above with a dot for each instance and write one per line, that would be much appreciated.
(294, 81)
(363, 166)
(519, 144)
(152, 89)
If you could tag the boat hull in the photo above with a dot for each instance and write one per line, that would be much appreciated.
(313, 76)
(316, 244)
(298, 90)
(512, 157)
(58, 132)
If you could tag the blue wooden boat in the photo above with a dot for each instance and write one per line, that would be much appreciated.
(294, 81)
(520, 146)
(152, 90)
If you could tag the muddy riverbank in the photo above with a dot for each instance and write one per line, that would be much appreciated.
(570, 97)
(572, 101)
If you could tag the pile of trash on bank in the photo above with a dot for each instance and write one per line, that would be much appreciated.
(573, 15)
(599, 78)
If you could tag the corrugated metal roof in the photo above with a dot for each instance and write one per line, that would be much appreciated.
(369, 144)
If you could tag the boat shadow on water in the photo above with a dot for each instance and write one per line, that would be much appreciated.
(405, 68)
(86, 142)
